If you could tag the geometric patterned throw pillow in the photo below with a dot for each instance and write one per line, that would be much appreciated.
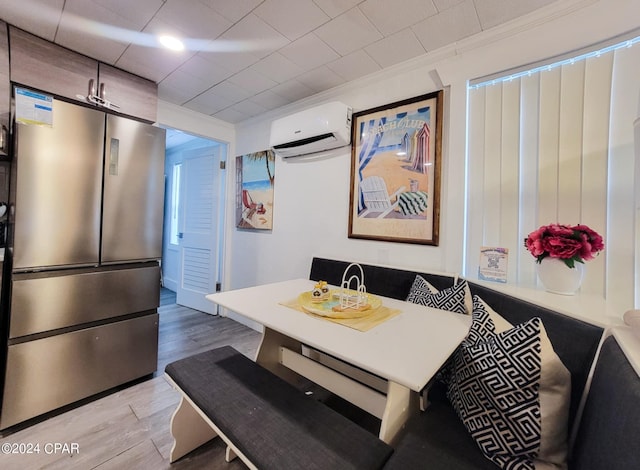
(453, 299)
(494, 390)
(511, 391)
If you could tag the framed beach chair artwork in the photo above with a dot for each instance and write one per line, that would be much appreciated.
(395, 171)
(255, 177)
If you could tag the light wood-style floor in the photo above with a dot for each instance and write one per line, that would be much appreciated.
(129, 429)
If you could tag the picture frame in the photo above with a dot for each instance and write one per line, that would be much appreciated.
(396, 158)
(255, 178)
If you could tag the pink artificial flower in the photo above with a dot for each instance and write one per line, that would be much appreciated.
(560, 247)
(556, 230)
(534, 242)
(596, 241)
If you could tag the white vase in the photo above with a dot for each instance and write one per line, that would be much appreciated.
(559, 278)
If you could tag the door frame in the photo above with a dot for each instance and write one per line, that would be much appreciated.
(171, 252)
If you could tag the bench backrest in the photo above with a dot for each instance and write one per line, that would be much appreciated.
(575, 341)
(610, 424)
(388, 282)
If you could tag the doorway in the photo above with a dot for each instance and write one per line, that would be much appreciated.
(193, 227)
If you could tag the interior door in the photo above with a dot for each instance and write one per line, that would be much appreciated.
(199, 234)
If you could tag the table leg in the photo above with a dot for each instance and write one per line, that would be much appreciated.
(402, 402)
(268, 355)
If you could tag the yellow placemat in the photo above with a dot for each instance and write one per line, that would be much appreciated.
(364, 323)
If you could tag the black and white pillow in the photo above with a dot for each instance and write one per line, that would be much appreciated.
(454, 299)
(511, 391)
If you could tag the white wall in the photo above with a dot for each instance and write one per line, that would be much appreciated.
(311, 198)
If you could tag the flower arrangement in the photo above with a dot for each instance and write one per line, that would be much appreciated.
(570, 243)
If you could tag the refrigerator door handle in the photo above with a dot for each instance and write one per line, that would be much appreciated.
(114, 150)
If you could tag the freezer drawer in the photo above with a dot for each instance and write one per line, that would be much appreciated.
(48, 373)
(40, 304)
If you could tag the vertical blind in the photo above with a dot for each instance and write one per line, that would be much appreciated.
(556, 145)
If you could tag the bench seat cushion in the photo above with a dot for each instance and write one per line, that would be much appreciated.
(436, 438)
(272, 423)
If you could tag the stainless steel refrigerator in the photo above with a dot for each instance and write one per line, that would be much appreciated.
(85, 239)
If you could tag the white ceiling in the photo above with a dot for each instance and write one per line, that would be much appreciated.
(245, 57)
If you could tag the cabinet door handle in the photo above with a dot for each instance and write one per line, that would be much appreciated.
(102, 91)
(92, 89)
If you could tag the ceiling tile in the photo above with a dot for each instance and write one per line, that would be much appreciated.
(230, 91)
(209, 102)
(495, 12)
(232, 62)
(269, 100)
(42, 15)
(95, 31)
(394, 49)
(153, 63)
(194, 19)
(302, 16)
(251, 81)
(255, 36)
(184, 85)
(231, 115)
(320, 79)
(309, 52)
(174, 92)
(232, 10)
(277, 67)
(442, 5)
(335, 8)
(403, 14)
(355, 65)
(139, 12)
(249, 108)
(348, 32)
(292, 90)
(448, 27)
(199, 67)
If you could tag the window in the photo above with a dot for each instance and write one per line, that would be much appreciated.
(554, 143)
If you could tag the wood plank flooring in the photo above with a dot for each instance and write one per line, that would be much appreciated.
(129, 428)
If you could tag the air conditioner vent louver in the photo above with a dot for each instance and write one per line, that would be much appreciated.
(330, 138)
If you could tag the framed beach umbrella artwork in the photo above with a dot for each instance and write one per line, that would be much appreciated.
(255, 176)
(395, 171)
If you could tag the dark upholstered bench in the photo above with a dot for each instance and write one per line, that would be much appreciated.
(264, 420)
(436, 438)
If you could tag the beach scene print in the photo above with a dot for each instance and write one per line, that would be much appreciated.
(394, 171)
(255, 177)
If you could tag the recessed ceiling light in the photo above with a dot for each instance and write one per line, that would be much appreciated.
(171, 42)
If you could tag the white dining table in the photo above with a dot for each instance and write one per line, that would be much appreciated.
(382, 370)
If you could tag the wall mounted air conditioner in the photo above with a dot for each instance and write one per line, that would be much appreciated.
(313, 130)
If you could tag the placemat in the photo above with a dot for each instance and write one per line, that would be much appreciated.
(365, 323)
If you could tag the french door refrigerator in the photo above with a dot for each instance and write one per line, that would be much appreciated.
(85, 240)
